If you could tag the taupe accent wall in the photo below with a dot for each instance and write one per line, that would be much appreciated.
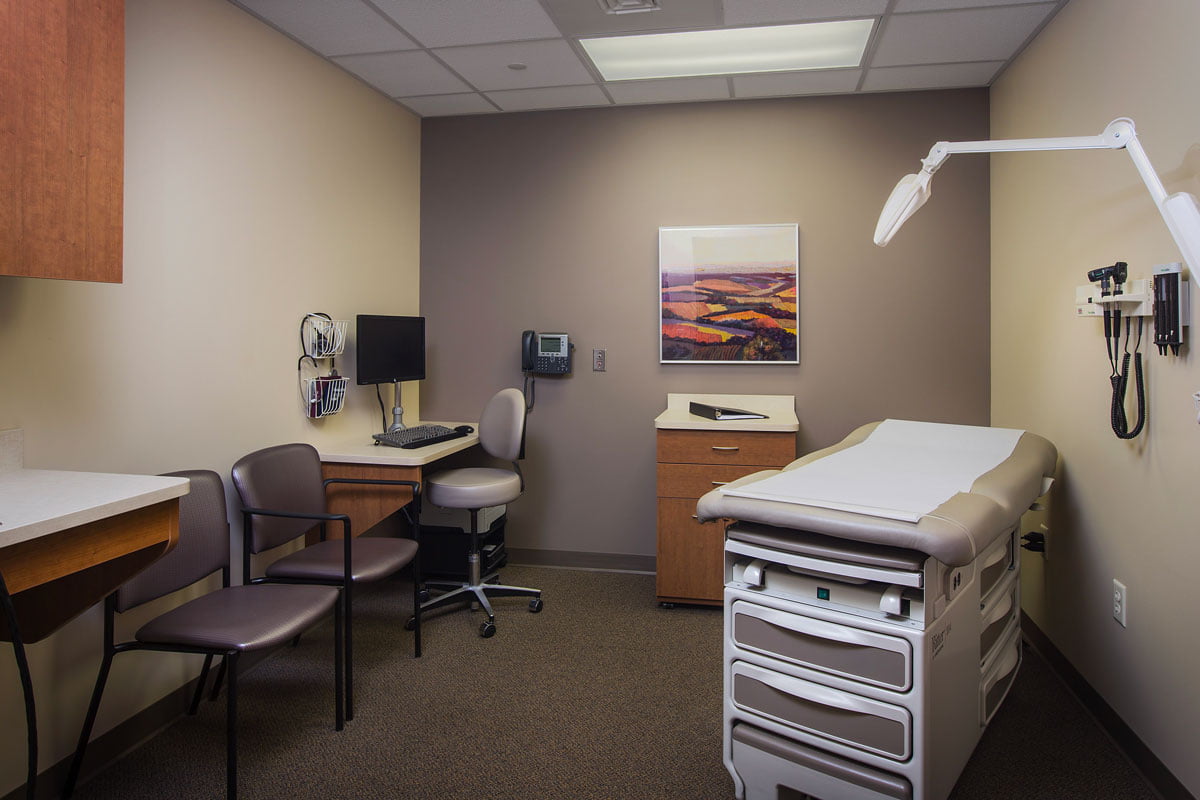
(549, 221)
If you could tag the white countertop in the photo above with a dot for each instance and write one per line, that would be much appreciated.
(363, 450)
(39, 502)
(780, 411)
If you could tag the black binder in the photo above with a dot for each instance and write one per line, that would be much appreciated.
(721, 413)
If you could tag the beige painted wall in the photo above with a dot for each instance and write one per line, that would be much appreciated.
(261, 184)
(1127, 510)
(550, 221)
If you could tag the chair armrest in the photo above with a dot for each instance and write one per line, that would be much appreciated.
(269, 512)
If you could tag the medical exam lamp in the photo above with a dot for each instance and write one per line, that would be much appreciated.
(1179, 210)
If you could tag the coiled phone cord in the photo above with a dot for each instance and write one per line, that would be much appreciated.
(1120, 383)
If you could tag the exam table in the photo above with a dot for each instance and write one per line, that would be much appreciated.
(866, 646)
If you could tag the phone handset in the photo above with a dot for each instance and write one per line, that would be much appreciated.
(545, 353)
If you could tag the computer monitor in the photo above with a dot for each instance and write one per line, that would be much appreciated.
(390, 349)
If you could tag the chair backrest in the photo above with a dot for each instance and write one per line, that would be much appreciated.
(202, 549)
(286, 477)
(502, 424)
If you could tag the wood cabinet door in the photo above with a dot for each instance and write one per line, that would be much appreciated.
(691, 560)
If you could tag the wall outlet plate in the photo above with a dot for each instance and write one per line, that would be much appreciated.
(1120, 604)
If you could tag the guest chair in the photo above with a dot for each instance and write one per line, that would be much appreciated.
(227, 622)
(501, 431)
(284, 498)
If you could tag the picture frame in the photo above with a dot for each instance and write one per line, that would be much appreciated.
(728, 294)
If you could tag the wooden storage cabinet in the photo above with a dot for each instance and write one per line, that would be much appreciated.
(690, 560)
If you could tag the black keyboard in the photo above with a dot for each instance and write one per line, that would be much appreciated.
(417, 436)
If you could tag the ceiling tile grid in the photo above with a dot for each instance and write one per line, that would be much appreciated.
(459, 57)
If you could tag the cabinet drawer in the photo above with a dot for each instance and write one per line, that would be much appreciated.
(848, 718)
(837, 649)
(694, 480)
(763, 448)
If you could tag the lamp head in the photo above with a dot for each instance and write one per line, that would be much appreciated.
(909, 195)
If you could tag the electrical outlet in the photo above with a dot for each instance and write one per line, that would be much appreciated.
(1120, 599)
(599, 357)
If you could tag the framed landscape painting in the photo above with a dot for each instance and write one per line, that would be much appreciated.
(727, 294)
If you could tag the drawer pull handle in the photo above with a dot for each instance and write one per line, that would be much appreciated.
(719, 483)
(717, 447)
(695, 517)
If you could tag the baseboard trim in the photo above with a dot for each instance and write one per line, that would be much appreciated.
(575, 559)
(109, 747)
(1141, 756)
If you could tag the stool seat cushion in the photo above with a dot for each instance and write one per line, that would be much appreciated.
(473, 487)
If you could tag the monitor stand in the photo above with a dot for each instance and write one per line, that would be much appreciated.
(397, 411)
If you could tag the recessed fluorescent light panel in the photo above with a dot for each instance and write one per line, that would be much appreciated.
(731, 51)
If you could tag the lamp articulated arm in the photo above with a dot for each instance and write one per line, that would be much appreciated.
(1179, 211)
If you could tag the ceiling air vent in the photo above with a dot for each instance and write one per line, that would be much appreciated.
(628, 6)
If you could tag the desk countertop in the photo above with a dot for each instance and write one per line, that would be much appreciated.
(39, 502)
(780, 411)
(363, 450)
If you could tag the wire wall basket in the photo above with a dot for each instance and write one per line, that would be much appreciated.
(322, 337)
(324, 395)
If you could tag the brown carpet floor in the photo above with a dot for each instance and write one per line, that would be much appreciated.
(602, 695)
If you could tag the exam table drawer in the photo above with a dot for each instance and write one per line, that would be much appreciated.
(837, 649)
(998, 677)
(996, 563)
(751, 448)
(853, 720)
(695, 480)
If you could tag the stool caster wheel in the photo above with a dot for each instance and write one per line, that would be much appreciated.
(535, 605)
(423, 596)
(411, 624)
(487, 629)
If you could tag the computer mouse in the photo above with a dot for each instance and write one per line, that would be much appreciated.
(464, 429)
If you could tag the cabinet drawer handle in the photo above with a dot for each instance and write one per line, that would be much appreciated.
(715, 447)
(695, 517)
(719, 483)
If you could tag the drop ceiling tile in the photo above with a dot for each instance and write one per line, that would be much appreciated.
(547, 63)
(768, 12)
(331, 27)
(587, 18)
(403, 74)
(930, 76)
(796, 83)
(556, 97)
(679, 90)
(445, 23)
(985, 34)
(445, 105)
(943, 5)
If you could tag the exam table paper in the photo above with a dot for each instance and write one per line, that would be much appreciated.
(902, 470)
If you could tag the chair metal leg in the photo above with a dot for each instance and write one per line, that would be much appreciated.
(348, 632)
(339, 707)
(200, 685)
(31, 736)
(216, 688)
(89, 720)
(231, 730)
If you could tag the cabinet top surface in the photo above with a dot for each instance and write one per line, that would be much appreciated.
(780, 412)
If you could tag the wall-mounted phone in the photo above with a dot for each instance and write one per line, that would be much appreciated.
(545, 353)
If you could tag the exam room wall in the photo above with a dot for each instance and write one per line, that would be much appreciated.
(549, 221)
(261, 183)
(1125, 510)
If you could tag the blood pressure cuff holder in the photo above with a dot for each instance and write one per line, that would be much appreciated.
(954, 533)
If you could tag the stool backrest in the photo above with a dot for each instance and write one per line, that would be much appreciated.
(502, 423)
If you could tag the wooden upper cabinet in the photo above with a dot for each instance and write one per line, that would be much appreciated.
(62, 116)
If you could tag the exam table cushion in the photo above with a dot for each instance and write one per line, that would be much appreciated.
(955, 532)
